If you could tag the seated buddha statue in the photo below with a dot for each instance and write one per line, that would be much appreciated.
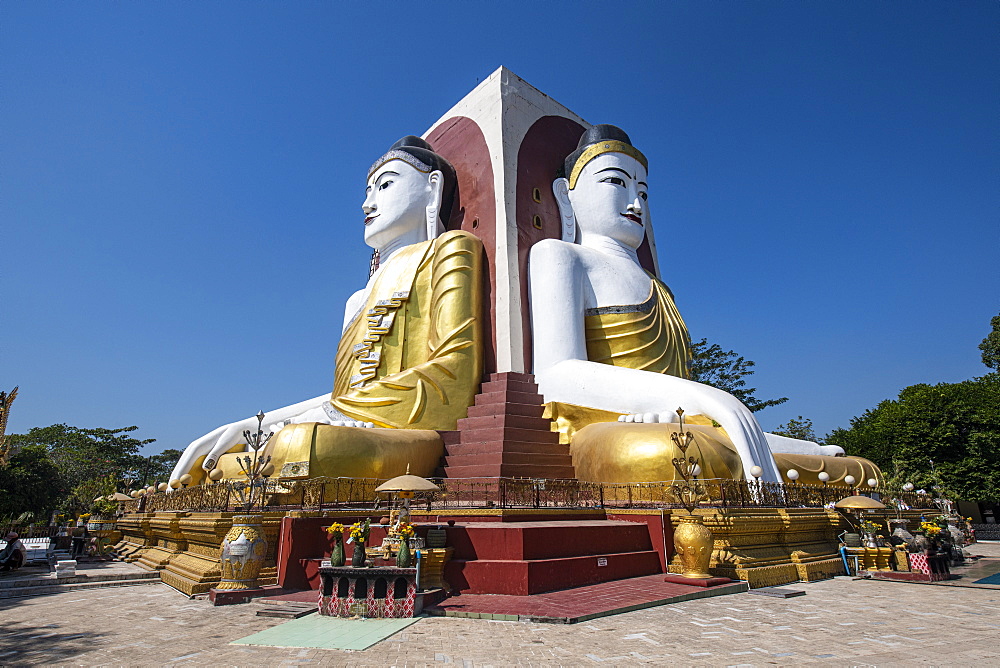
(611, 351)
(409, 361)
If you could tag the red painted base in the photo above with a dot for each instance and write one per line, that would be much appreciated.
(233, 596)
(696, 582)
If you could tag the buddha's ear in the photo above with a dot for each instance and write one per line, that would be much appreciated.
(435, 182)
(567, 220)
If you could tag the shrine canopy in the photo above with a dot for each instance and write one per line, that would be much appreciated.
(407, 483)
(859, 503)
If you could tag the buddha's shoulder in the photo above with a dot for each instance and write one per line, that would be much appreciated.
(458, 239)
(548, 250)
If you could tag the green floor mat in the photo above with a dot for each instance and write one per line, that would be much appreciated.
(324, 632)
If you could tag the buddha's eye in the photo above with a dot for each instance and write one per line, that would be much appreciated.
(384, 185)
(617, 180)
(644, 196)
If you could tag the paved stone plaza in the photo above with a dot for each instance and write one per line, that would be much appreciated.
(837, 622)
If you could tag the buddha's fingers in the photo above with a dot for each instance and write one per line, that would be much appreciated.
(229, 437)
(192, 452)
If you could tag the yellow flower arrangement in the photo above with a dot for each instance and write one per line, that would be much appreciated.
(405, 530)
(869, 527)
(359, 532)
(930, 529)
(334, 528)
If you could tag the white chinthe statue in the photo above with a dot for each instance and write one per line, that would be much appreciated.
(634, 360)
(409, 191)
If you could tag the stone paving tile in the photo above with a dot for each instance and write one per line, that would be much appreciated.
(839, 622)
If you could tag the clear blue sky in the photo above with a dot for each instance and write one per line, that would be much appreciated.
(180, 186)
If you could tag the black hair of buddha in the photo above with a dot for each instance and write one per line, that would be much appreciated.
(423, 152)
(594, 135)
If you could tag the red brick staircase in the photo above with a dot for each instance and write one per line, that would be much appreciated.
(505, 435)
(524, 558)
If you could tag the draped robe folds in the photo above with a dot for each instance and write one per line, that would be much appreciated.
(650, 336)
(412, 358)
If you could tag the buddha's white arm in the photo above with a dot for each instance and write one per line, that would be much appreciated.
(218, 441)
(796, 446)
(556, 287)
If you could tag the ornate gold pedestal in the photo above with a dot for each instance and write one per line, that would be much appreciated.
(242, 553)
(184, 546)
(693, 546)
(771, 546)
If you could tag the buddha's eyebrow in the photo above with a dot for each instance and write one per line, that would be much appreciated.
(615, 169)
(643, 183)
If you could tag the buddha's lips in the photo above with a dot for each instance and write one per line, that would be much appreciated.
(369, 219)
(634, 218)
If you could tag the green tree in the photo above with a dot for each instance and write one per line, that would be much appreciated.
(946, 434)
(85, 454)
(991, 345)
(726, 370)
(161, 465)
(800, 427)
(29, 483)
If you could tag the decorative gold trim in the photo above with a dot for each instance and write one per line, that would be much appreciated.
(600, 148)
(397, 154)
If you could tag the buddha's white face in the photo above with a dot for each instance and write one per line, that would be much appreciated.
(610, 199)
(396, 201)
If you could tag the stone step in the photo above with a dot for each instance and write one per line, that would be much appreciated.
(507, 434)
(550, 539)
(512, 471)
(512, 375)
(508, 397)
(502, 421)
(80, 577)
(511, 385)
(526, 577)
(508, 457)
(525, 447)
(450, 437)
(41, 590)
(287, 611)
(528, 410)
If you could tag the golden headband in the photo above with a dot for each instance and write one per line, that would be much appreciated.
(601, 147)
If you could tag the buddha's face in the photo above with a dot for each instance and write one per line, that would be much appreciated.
(395, 205)
(610, 199)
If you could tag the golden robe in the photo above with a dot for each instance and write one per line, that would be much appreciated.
(410, 361)
(650, 336)
(413, 356)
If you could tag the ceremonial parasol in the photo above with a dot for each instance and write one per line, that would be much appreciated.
(858, 503)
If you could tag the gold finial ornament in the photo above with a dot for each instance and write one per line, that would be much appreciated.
(692, 539)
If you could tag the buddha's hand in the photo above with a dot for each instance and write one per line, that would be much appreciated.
(727, 412)
(217, 442)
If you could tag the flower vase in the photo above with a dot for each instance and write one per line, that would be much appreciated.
(243, 551)
(693, 544)
(871, 541)
(404, 558)
(358, 558)
(337, 554)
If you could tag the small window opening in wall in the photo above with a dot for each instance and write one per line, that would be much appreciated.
(475, 223)
(536, 195)
(537, 222)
